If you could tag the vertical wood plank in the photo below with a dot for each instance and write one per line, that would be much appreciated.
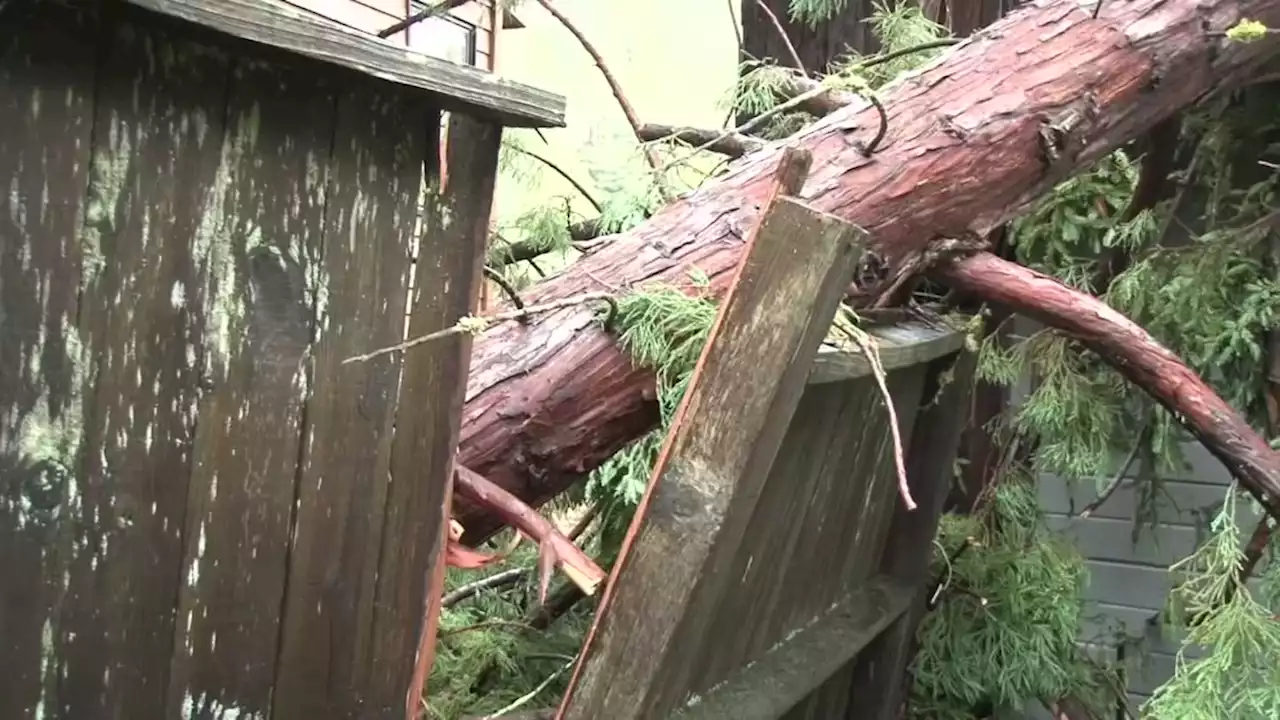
(450, 257)
(46, 96)
(672, 571)
(382, 137)
(262, 225)
(879, 675)
(158, 131)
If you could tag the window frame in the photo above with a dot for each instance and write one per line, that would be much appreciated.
(470, 51)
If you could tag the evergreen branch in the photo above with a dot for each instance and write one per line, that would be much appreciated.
(732, 145)
(782, 33)
(883, 58)
(512, 296)
(628, 109)
(474, 325)
(1144, 436)
(1152, 187)
(562, 173)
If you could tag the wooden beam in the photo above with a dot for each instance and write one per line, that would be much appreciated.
(456, 87)
(669, 579)
(769, 687)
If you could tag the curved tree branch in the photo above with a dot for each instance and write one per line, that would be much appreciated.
(1135, 354)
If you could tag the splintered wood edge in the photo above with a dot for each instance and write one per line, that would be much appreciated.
(903, 344)
(791, 670)
(458, 87)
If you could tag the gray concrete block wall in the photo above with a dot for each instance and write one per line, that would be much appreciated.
(1128, 562)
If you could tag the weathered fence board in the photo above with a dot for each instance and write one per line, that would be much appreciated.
(455, 233)
(344, 478)
(262, 231)
(879, 679)
(46, 96)
(654, 621)
(158, 123)
(204, 511)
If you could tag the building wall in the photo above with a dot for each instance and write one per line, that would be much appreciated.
(439, 37)
(1128, 558)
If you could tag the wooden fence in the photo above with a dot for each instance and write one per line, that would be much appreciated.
(209, 205)
(773, 570)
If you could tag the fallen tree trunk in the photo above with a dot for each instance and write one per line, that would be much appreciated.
(970, 142)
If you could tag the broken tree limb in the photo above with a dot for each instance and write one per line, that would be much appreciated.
(973, 139)
(553, 546)
(732, 145)
(1136, 355)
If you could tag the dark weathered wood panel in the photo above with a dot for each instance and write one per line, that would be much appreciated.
(814, 527)
(779, 680)
(262, 235)
(157, 138)
(452, 86)
(371, 205)
(46, 94)
(876, 681)
(638, 661)
(451, 254)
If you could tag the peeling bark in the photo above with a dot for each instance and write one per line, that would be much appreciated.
(549, 400)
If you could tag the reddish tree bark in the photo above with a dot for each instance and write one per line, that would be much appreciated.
(965, 150)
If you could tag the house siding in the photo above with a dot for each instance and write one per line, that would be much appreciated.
(1128, 559)
(372, 16)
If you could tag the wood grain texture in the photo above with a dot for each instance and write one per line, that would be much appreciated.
(671, 575)
(771, 686)
(328, 639)
(451, 86)
(46, 92)
(158, 127)
(263, 226)
(451, 254)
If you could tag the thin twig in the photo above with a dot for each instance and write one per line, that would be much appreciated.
(427, 14)
(496, 580)
(877, 369)
(782, 32)
(470, 324)
(627, 108)
(1144, 436)
(733, 145)
(507, 288)
(523, 699)
(562, 173)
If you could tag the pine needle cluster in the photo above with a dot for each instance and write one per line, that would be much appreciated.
(1008, 614)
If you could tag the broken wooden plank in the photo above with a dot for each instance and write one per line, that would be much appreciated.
(669, 577)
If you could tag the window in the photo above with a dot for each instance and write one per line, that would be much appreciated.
(443, 36)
